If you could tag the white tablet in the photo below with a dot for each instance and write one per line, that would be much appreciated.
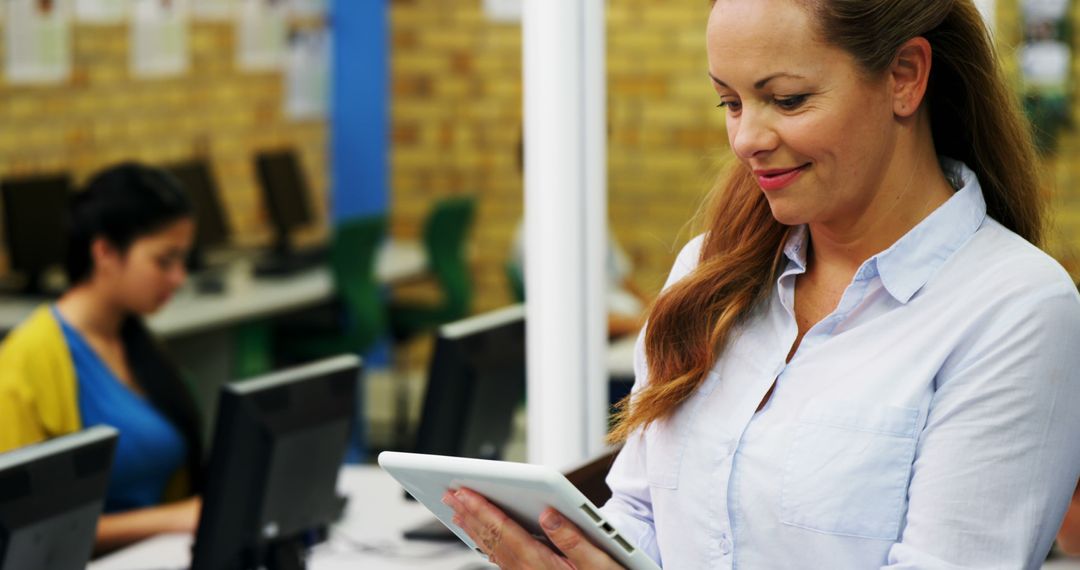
(521, 490)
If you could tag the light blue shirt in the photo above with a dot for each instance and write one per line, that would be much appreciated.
(931, 421)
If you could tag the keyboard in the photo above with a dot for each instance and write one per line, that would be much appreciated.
(276, 264)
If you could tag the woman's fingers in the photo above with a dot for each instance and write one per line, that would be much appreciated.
(569, 539)
(504, 542)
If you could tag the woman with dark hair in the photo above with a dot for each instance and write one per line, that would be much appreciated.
(864, 361)
(89, 359)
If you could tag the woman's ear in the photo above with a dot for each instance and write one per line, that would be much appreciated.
(106, 257)
(910, 75)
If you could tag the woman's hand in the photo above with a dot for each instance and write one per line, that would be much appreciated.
(510, 546)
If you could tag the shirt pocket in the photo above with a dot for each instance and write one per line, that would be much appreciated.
(663, 455)
(666, 440)
(848, 468)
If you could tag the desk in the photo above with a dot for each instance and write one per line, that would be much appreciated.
(375, 518)
(369, 536)
(247, 298)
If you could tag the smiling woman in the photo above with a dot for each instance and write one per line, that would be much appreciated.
(865, 362)
(88, 359)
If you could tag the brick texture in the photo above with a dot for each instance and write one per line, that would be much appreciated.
(456, 113)
(103, 115)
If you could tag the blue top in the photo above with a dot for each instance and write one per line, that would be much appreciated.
(930, 421)
(150, 449)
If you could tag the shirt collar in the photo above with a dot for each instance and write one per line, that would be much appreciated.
(908, 264)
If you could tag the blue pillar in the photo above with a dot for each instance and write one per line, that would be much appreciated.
(359, 108)
(359, 124)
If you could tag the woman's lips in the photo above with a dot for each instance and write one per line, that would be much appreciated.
(778, 178)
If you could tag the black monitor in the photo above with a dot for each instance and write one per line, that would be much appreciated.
(278, 445)
(286, 193)
(475, 384)
(51, 495)
(211, 227)
(34, 222)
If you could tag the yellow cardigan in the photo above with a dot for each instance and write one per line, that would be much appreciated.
(38, 398)
(37, 383)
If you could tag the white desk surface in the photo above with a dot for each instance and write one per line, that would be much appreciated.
(369, 536)
(247, 297)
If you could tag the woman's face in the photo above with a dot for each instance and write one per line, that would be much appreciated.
(152, 269)
(817, 134)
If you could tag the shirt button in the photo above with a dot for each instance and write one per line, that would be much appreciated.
(725, 546)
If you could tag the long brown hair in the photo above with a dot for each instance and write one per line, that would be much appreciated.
(975, 119)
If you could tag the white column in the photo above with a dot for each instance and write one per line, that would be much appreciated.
(565, 228)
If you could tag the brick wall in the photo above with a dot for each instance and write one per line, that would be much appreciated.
(103, 116)
(456, 118)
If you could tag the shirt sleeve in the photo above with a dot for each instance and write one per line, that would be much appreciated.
(630, 508)
(998, 458)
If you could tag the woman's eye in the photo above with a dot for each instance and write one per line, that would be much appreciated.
(790, 103)
(732, 106)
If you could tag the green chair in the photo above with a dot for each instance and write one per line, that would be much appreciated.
(359, 310)
(445, 233)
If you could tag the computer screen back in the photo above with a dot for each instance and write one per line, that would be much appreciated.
(475, 384)
(278, 445)
(285, 189)
(212, 229)
(34, 223)
(51, 495)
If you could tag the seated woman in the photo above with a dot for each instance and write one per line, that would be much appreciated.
(89, 359)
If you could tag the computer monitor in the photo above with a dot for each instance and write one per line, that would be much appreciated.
(211, 228)
(51, 495)
(475, 384)
(279, 443)
(286, 193)
(34, 223)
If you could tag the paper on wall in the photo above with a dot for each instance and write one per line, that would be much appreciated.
(38, 41)
(307, 75)
(988, 9)
(503, 10)
(308, 7)
(1045, 9)
(159, 38)
(102, 11)
(261, 35)
(220, 10)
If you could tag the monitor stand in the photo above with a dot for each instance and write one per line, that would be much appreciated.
(288, 554)
(283, 554)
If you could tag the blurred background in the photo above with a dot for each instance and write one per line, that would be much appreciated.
(388, 110)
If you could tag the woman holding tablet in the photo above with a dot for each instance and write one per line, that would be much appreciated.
(89, 359)
(863, 362)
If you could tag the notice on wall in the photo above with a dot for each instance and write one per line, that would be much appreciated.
(503, 10)
(159, 38)
(1045, 54)
(214, 10)
(988, 9)
(1044, 9)
(307, 8)
(307, 75)
(262, 35)
(37, 34)
(102, 11)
